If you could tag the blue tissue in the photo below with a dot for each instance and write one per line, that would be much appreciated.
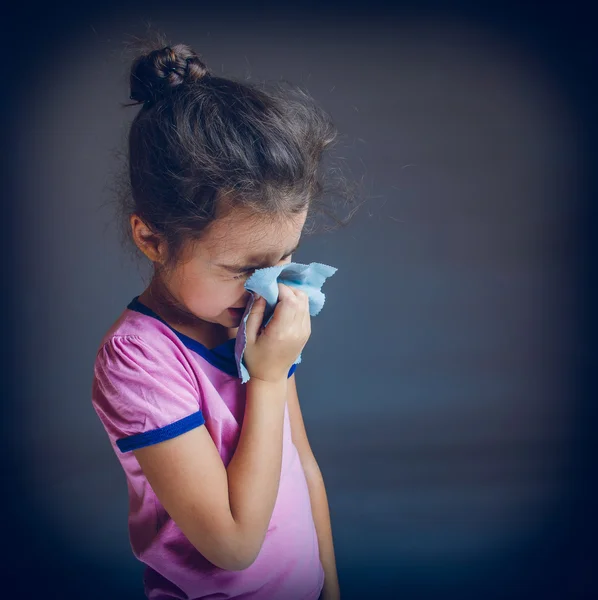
(264, 282)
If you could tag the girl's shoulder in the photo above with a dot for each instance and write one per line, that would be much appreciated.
(139, 351)
(132, 323)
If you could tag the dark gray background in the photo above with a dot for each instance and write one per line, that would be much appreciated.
(443, 386)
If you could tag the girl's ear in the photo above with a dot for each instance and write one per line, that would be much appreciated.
(150, 243)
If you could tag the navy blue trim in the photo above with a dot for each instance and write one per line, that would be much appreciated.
(222, 357)
(148, 438)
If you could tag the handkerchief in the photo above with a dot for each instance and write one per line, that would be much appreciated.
(264, 282)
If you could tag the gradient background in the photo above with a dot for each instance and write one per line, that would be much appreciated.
(448, 386)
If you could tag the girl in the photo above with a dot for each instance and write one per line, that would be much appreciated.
(225, 496)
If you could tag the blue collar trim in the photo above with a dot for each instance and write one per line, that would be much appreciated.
(222, 357)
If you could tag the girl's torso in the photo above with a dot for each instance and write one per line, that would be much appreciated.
(288, 566)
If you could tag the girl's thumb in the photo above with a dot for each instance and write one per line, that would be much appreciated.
(255, 319)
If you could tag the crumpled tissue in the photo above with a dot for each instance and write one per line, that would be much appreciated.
(308, 278)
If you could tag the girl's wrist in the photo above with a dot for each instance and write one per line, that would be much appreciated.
(274, 382)
(271, 390)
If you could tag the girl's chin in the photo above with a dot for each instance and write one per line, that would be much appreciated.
(236, 314)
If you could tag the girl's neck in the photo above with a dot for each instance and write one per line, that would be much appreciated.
(158, 298)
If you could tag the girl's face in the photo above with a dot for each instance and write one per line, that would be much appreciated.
(209, 280)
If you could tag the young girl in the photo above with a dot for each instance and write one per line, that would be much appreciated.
(226, 499)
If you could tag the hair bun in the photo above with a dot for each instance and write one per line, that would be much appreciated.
(160, 71)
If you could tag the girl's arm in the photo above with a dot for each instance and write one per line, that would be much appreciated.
(317, 494)
(224, 512)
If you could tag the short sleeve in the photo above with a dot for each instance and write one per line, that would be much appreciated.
(144, 393)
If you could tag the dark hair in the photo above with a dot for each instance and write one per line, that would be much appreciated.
(202, 144)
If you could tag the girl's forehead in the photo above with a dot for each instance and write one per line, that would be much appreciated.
(238, 237)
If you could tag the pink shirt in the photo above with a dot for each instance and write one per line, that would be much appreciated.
(151, 384)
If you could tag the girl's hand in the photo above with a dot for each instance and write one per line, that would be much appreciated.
(271, 351)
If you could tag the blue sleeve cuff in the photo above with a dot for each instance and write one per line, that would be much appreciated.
(148, 438)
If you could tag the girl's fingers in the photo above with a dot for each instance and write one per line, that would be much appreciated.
(302, 310)
(285, 308)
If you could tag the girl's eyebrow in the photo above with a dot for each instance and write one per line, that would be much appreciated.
(258, 265)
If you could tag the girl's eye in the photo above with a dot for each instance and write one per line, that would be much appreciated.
(241, 276)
